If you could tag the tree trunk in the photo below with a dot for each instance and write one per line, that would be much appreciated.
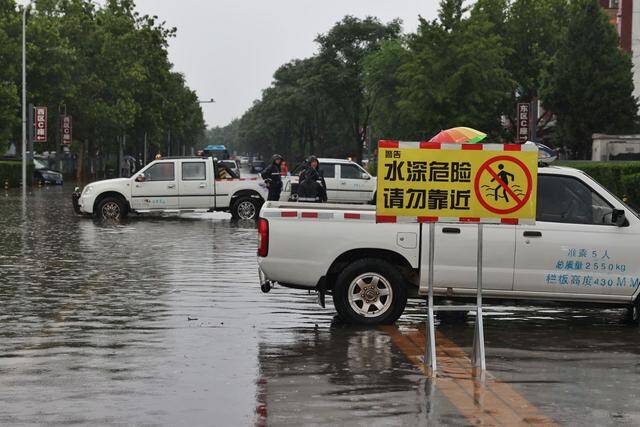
(80, 164)
(358, 151)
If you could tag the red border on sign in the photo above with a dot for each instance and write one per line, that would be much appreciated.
(485, 166)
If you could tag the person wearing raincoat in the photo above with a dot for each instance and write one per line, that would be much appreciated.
(273, 178)
(311, 184)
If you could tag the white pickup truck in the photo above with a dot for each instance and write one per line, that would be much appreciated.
(172, 185)
(583, 248)
(347, 182)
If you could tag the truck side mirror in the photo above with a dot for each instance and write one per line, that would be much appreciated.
(140, 178)
(618, 217)
(365, 176)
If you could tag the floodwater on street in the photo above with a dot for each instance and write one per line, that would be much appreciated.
(160, 321)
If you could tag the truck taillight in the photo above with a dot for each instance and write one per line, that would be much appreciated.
(263, 237)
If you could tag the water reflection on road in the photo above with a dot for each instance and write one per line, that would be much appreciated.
(160, 321)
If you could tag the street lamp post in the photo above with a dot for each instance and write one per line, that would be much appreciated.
(204, 101)
(24, 99)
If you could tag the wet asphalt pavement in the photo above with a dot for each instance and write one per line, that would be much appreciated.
(160, 321)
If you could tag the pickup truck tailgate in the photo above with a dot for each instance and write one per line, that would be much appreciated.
(306, 238)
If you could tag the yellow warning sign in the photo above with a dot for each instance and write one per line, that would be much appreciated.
(453, 183)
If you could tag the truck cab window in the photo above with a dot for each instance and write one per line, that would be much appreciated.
(328, 170)
(567, 200)
(194, 171)
(160, 172)
(351, 172)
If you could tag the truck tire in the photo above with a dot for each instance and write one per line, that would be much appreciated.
(245, 207)
(112, 209)
(370, 291)
(633, 313)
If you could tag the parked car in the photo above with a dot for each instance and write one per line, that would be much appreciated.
(347, 182)
(171, 185)
(583, 248)
(43, 174)
(257, 166)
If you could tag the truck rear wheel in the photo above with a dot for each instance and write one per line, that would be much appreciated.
(111, 208)
(370, 291)
(245, 207)
(633, 313)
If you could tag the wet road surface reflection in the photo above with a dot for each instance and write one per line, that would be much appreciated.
(160, 321)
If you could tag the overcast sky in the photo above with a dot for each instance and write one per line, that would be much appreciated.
(229, 49)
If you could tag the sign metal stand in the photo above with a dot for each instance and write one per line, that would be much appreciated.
(432, 182)
(478, 353)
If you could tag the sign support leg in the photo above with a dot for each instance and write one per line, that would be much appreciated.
(478, 359)
(430, 342)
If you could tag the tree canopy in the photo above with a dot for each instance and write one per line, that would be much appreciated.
(104, 64)
(589, 83)
(467, 67)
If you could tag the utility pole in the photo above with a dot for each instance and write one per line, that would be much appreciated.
(24, 100)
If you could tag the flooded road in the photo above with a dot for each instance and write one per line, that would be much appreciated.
(160, 321)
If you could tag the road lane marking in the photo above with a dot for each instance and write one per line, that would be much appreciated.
(482, 402)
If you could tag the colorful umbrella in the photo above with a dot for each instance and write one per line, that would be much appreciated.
(460, 135)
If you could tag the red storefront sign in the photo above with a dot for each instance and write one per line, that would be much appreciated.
(40, 124)
(524, 114)
(66, 126)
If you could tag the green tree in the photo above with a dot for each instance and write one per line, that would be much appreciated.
(343, 50)
(589, 85)
(9, 58)
(382, 81)
(456, 75)
(109, 67)
(534, 30)
(295, 116)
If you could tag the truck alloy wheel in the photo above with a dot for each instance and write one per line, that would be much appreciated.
(111, 209)
(633, 313)
(370, 291)
(370, 295)
(245, 208)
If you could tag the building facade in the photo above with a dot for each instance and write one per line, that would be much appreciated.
(625, 15)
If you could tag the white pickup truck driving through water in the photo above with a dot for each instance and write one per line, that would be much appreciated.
(172, 185)
(583, 248)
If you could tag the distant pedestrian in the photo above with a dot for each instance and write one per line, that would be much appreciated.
(273, 178)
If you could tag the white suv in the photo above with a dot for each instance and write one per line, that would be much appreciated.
(347, 182)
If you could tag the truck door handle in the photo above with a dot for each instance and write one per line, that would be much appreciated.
(171, 186)
(203, 185)
(532, 234)
(451, 230)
